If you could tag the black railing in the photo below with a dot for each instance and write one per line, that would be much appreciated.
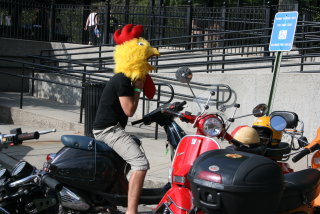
(216, 55)
(65, 22)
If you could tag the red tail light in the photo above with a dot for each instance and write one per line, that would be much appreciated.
(209, 176)
(50, 156)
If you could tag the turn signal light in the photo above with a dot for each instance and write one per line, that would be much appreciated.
(209, 176)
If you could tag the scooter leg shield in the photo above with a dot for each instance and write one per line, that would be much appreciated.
(177, 200)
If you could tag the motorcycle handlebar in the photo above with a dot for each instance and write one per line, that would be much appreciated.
(28, 136)
(180, 105)
(305, 152)
(136, 122)
(171, 112)
(300, 155)
(51, 183)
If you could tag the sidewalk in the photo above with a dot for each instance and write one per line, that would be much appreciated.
(39, 114)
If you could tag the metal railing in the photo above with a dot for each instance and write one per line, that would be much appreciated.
(215, 52)
(65, 22)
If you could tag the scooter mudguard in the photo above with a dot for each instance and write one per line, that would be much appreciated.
(178, 200)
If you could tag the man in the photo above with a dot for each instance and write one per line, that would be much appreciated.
(119, 100)
(92, 25)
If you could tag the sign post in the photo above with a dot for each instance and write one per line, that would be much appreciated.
(282, 36)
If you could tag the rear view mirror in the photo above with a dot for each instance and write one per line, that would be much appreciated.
(184, 75)
(278, 123)
(260, 110)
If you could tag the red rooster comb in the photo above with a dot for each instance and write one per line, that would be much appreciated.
(127, 33)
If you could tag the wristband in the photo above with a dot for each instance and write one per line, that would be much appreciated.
(137, 90)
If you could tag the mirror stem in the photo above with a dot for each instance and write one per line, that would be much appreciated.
(194, 96)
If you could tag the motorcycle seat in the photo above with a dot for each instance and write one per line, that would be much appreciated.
(84, 143)
(301, 188)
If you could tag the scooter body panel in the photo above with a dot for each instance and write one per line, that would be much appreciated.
(178, 200)
(189, 149)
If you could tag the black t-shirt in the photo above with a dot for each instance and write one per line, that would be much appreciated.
(110, 112)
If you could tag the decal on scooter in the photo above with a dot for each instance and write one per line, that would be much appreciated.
(178, 154)
(214, 168)
(234, 156)
(193, 141)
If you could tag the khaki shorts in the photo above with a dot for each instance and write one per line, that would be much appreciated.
(123, 144)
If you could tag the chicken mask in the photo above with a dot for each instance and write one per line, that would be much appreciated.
(132, 54)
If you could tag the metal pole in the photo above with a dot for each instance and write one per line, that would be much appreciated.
(276, 70)
(21, 91)
(158, 104)
(32, 80)
(189, 22)
(82, 93)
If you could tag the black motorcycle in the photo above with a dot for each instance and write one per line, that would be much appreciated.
(85, 176)
(21, 190)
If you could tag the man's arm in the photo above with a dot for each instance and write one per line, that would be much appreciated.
(129, 104)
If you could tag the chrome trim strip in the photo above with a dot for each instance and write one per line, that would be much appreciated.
(22, 181)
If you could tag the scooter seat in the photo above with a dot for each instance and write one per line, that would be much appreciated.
(301, 188)
(84, 143)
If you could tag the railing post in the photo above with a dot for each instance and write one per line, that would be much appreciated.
(100, 60)
(189, 23)
(32, 80)
(302, 52)
(151, 19)
(51, 22)
(126, 11)
(158, 104)
(106, 37)
(22, 85)
(267, 26)
(223, 28)
(296, 5)
(82, 92)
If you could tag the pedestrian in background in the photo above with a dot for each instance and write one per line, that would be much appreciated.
(91, 26)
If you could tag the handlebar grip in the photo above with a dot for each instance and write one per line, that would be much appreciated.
(51, 183)
(300, 155)
(182, 103)
(170, 112)
(136, 122)
(28, 136)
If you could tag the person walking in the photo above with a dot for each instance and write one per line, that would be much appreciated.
(91, 26)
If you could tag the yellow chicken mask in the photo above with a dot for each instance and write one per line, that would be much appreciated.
(131, 56)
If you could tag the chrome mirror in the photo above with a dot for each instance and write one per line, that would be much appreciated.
(184, 75)
(260, 110)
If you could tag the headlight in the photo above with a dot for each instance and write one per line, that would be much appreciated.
(212, 127)
(22, 169)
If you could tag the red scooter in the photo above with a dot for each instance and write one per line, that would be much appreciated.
(178, 199)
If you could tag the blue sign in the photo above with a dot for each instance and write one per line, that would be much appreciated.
(284, 28)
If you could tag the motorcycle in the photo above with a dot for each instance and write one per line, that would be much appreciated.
(16, 193)
(94, 178)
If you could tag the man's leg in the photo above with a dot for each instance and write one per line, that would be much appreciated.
(135, 186)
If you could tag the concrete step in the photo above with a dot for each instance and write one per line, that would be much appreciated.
(40, 112)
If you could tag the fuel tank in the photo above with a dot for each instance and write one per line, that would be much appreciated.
(89, 167)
